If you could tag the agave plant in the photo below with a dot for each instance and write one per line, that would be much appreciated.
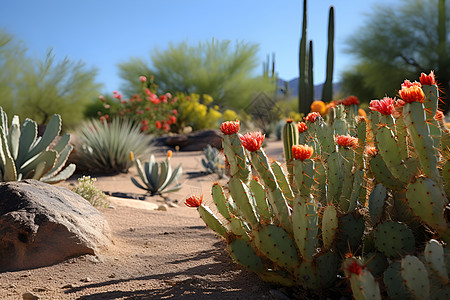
(104, 147)
(158, 177)
(213, 161)
(24, 155)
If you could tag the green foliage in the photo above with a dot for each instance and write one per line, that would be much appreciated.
(396, 42)
(214, 162)
(105, 147)
(40, 88)
(215, 68)
(24, 155)
(158, 177)
(90, 192)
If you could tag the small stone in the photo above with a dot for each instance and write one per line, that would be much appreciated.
(112, 275)
(68, 286)
(132, 229)
(87, 279)
(171, 204)
(29, 296)
(162, 207)
(12, 286)
(39, 289)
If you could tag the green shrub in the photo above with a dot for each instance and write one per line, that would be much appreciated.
(105, 147)
(90, 192)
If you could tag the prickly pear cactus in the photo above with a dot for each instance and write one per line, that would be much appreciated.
(366, 197)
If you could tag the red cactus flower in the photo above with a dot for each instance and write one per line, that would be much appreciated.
(372, 151)
(350, 100)
(346, 141)
(252, 141)
(354, 268)
(385, 106)
(439, 116)
(230, 127)
(147, 91)
(427, 79)
(142, 78)
(102, 98)
(301, 126)
(163, 98)
(311, 117)
(411, 94)
(158, 124)
(408, 84)
(302, 152)
(194, 201)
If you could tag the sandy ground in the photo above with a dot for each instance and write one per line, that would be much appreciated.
(156, 254)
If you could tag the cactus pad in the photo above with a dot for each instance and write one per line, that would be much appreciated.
(394, 239)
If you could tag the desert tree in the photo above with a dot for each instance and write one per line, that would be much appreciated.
(397, 42)
(221, 69)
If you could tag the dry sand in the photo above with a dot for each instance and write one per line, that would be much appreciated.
(156, 254)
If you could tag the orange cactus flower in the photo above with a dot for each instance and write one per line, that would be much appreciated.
(409, 84)
(350, 100)
(252, 141)
(319, 106)
(427, 79)
(372, 151)
(439, 116)
(362, 113)
(411, 94)
(169, 153)
(346, 141)
(302, 152)
(230, 127)
(384, 106)
(311, 117)
(194, 201)
(301, 126)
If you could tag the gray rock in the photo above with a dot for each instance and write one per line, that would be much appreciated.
(41, 225)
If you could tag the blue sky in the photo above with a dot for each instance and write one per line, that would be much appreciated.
(104, 33)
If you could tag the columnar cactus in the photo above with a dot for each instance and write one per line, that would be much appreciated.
(364, 199)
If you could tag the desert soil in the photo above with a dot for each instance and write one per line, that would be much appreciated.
(156, 254)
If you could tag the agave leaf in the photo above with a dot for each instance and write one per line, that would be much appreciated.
(49, 156)
(141, 173)
(61, 161)
(14, 136)
(173, 189)
(63, 175)
(164, 174)
(153, 170)
(175, 175)
(136, 183)
(8, 165)
(39, 170)
(27, 138)
(62, 143)
(52, 130)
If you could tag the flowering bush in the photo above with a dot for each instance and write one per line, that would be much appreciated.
(155, 114)
(198, 112)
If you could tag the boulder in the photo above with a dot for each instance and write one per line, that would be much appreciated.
(41, 225)
(194, 141)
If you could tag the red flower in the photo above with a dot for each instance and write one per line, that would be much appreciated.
(147, 91)
(102, 98)
(230, 127)
(311, 117)
(354, 267)
(411, 94)
(175, 112)
(194, 201)
(439, 116)
(372, 151)
(409, 84)
(427, 79)
(142, 78)
(158, 124)
(301, 126)
(166, 127)
(385, 106)
(252, 141)
(346, 141)
(172, 119)
(144, 122)
(163, 98)
(350, 100)
(302, 152)
(117, 95)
